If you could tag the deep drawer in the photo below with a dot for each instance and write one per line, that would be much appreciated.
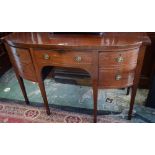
(115, 79)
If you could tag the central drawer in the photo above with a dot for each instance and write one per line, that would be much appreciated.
(72, 58)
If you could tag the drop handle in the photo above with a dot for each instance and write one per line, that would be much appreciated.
(118, 77)
(119, 59)
(78, 58)
(46, 57)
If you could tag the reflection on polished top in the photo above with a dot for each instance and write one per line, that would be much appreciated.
(70, 40)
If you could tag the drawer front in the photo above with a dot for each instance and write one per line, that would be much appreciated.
(22, 55)
(71, 58)
(115, 79)
(23, 63)
(114, 59)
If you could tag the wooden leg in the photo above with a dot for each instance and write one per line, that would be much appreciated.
(94, 75)
(43, 92)
(133, 95)
(136, 79)
(22, 86)
(128, 91)
(95, 97)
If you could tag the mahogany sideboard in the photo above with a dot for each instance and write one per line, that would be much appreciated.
(113, 60)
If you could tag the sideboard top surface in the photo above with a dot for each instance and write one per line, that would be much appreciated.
(69, 41)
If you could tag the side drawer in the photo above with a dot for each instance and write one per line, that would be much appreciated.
(22, 55)
(22, 61)
(120, 58)
(115, 79)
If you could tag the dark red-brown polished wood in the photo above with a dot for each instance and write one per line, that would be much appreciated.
(113, 60)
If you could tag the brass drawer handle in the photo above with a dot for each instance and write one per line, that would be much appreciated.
(46, 57)
(118, 77)
(78, 59)
(120, 59)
